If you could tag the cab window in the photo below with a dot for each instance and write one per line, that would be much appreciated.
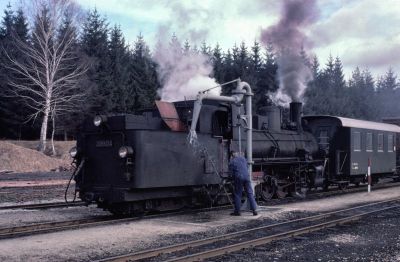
(220, 124)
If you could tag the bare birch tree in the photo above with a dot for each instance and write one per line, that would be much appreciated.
(48, 78)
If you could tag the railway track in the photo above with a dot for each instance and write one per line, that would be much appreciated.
(316, 194)
(43, 205)
(332, 192)
(39, 228)
(232, 242)
(47, 227)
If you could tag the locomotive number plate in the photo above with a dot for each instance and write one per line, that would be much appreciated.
(104, 143)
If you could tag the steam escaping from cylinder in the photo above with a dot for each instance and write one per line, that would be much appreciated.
(288, 37)
(182, 73)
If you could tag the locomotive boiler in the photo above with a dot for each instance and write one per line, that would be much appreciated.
(129, 164)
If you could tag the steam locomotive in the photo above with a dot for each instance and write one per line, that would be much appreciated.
(129, 164)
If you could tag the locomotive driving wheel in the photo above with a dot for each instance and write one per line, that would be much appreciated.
(282, 191)
(343, 186)
(267, 190)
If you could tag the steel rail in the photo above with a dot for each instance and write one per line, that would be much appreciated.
(332, 192)
(195, 243)
(43, 205)
(268, 239)
(11, 232)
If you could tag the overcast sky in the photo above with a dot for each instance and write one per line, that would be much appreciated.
(363, 33)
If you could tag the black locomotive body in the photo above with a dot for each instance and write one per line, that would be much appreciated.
(132, 163)
(160, 171)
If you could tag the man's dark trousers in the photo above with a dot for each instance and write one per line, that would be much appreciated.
(245, 183)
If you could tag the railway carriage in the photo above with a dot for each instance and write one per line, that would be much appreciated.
(352, 144)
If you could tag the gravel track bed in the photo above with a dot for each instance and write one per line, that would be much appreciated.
(29, 195)
(34, 194)
(87, 244)
(174, 239)
(375, 238)
(35, 176)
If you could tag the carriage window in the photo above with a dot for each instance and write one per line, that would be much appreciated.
(380, 142)
(390, 143)
(369, 142)
(356, 141)
(323, 139)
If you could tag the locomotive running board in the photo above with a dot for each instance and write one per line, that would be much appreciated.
(170, 116)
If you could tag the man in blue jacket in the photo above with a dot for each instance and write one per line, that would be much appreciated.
(241, 179)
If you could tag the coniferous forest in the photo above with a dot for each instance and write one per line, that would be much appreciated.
(90, 68)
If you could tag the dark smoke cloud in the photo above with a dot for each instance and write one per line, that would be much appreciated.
(288, 37)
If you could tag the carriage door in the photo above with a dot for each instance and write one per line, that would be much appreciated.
(341, 157)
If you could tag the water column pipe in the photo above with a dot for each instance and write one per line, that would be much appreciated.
(249, 131)
(234, 99)
(242, 90)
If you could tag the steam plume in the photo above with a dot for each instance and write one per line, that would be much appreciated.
(288, 37)
(182, 73)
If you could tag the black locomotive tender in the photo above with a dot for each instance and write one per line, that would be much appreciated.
(128, 164)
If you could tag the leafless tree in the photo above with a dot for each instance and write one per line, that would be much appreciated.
(49, 75)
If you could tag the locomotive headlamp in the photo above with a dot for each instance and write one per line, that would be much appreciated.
(124, 151)
(73, 152)
(98, 120)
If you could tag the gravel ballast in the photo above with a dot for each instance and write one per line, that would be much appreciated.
(35, 187)
(376, 238)
(99, 242)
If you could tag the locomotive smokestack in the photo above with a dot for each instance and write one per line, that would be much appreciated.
(296, 111)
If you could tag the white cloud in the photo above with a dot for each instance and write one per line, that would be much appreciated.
(364, 33)
(225, 22)
(140, 10)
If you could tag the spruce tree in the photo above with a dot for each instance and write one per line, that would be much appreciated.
(267, 81)
(254, 73)
(7, 105)
(242, 62)
(94, 43)
(388, 94)
(217, 61)
(12, 114)
(229, 72)
(119, 75)
(143, 81)
(186, 47)
(205, 49)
